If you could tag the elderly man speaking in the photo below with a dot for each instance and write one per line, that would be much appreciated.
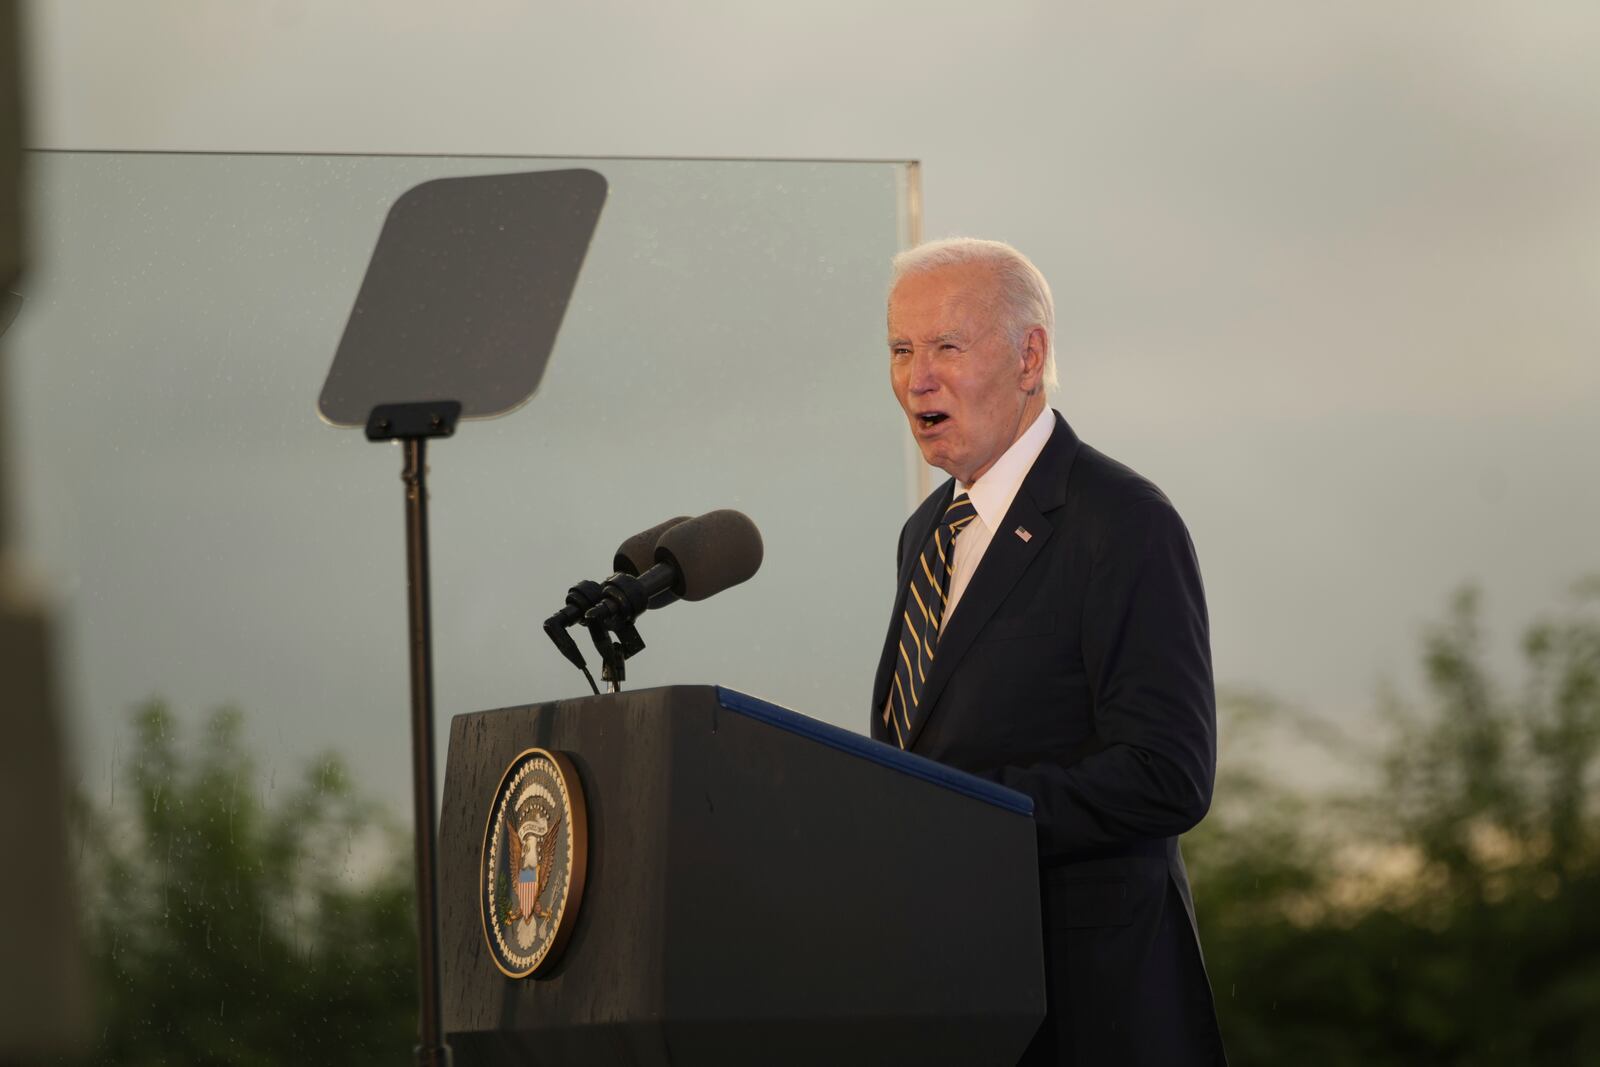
(1050, 633)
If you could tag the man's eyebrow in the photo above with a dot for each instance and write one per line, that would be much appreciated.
(946, 336)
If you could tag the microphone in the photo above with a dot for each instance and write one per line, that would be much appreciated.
(694, 560)
(586, 595)
(638, 554)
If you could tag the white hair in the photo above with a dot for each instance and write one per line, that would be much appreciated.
(1024, 294)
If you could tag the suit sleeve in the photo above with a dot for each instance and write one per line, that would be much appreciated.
(1147, 654)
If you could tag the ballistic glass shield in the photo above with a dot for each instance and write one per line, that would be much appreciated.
(464, 294)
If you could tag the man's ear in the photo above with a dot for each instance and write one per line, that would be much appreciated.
(1035, 344)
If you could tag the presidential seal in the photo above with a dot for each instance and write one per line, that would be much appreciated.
(535, 849)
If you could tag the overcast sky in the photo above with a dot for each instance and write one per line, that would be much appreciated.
(1328, 273)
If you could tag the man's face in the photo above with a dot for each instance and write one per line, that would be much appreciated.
(964, 386)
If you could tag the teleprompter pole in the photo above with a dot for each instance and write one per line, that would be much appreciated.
(462, 299)
(412, 425)
(431, 1051)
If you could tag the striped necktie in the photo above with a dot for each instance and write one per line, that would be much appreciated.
(924, 610)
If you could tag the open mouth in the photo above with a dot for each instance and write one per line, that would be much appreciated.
(930, 419)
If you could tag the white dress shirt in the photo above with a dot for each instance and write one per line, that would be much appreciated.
(991, 497)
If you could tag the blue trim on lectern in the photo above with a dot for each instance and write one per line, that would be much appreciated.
(876, 751)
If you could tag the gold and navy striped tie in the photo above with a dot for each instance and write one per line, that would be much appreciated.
(924, 610)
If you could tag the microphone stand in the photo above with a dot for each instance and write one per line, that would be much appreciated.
(613, 654)
(412, 425)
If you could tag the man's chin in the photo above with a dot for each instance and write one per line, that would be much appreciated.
(938, 458)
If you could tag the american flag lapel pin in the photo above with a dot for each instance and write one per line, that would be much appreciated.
(1024, 534)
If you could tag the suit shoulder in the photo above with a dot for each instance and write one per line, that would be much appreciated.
(1111, 487)
(929, 506)
(922, 518)
(1118, 506)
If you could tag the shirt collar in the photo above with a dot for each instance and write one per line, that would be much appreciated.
(991, 495)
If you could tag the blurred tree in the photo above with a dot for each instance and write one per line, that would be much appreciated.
(1447, 914)
(232, 927)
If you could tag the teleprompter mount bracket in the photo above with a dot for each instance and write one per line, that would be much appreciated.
(432, 418)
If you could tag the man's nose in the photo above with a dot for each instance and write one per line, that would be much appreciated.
(920, 376)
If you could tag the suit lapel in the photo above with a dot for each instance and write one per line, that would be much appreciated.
(1004, 562)
(908, 561)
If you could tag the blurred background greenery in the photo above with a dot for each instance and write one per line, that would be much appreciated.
(1444, 912)
(1441, 912)
(235, 922)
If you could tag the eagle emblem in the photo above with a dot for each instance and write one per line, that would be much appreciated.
(534, 855)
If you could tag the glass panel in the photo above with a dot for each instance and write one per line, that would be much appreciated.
(213, 543)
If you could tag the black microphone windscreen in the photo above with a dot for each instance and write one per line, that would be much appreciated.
(638, 553)
(718, 550)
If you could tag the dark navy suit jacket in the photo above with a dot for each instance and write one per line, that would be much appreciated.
(1076, 668)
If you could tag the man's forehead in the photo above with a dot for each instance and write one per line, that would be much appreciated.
(946, 300)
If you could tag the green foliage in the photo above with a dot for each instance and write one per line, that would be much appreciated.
(1447, 914)
(235, 927)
